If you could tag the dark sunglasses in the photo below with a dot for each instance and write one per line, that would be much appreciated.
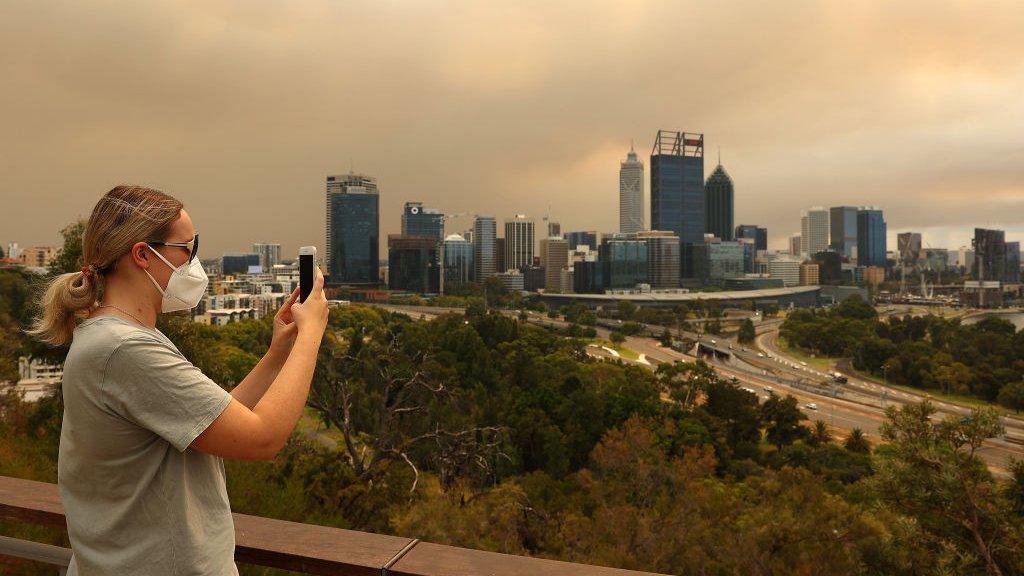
(192, 246)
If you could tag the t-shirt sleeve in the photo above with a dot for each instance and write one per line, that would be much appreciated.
(152, 385)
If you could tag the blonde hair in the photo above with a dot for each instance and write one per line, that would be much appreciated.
(124, 216)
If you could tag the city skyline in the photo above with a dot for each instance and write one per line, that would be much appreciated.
(233, 112)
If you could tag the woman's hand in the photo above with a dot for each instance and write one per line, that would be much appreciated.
(285, 328)
(310, 317)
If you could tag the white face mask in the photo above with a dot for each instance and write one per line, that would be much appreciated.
(185, 287)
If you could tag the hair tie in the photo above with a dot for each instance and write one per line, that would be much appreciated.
(87, 270)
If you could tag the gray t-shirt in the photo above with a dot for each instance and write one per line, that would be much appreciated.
(137, 499)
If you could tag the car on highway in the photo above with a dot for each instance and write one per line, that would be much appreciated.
(811, 406)
(769, 389)
(802, 363)
(760, 354)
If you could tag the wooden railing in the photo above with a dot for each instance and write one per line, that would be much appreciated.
(305, 548)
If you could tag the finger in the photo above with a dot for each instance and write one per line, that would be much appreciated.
(318, 282)
(287, 306)
(291, 299)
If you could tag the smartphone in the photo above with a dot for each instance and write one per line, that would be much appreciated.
(307, 265)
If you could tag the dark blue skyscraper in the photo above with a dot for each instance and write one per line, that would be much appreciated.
(623, 261)
(989, 255)
(420, 221)
(353, 229)
(413, 264)
(677, 190)
(756, 233)
(843, 230)
(718, 204)
(871, 248)
(581, 239)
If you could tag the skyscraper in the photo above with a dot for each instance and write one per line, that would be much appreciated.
(718, 204)
(871, 244)
(756, 233)
(485, 229)
(631, 193)
(1012, 275)
(554, 229)
(581, 239)
(420, 221)
(554, 257)
(965, 259)
(843, 230)
(662, 258)
(795, 240)
(353, 229)
(911, 253)
(519, 240)
(270, 254)
(813, 231)
(715, 261)
(989, 255)
(623, 261)
(413, 264)
(677, 190)
(457, 259)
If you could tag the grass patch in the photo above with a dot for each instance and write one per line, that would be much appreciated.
(822, 363)
(626, 353)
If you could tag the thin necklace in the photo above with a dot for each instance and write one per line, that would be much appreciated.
(122, 311)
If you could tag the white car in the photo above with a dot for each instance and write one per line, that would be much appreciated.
(811, 406)
(802, 363)
(769, 389)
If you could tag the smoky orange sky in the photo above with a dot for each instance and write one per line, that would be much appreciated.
(242, 108)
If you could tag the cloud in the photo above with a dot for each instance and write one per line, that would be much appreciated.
(242, 108)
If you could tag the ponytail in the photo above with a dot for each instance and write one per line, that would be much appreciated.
(65, 296)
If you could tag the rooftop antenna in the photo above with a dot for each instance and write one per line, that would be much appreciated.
(719, 155)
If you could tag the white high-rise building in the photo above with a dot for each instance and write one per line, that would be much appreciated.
(814, 231)
(485, 229)
(786, 268)
(519, 240)
(270, 255)
(965, 258)
(631, 193)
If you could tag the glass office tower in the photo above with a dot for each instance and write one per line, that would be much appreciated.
(353, 229)
(677, 191)
(718, 204)
(871, 248)
(418, 220)
(843, 230)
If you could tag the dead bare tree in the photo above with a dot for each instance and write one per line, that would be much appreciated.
(385, 400)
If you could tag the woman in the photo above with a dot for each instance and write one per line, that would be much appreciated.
(140, 467)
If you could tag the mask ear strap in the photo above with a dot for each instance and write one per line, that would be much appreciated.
(151, 279)
(161, 256)
(155, 283)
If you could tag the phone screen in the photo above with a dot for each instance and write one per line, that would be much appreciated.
(305, 275)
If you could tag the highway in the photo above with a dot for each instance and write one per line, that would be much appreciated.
(859, 404)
